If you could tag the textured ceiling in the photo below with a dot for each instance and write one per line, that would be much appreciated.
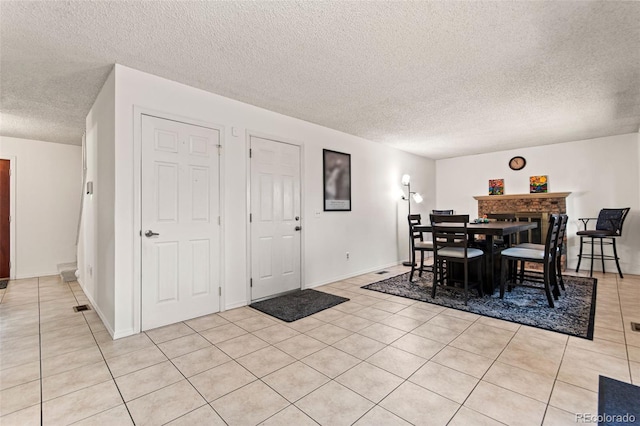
(439, 79)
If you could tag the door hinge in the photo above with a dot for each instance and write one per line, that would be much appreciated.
(250, 282)
(10, 171)
(219, 149)
(250, 217)
(250, 153)
(9, 265)
(219, 221)
(9, 219)
(219, 291)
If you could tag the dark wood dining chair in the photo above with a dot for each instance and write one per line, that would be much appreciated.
(418, 245)
(562, 232)
(545, 257)
(442, 212)
(451, 247)
(608, 228)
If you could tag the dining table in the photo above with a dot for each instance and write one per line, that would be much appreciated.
(490, 230)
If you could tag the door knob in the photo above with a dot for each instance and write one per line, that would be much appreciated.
(297, 228)
(150, 233)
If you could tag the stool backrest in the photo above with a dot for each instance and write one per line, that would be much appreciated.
(612, 220)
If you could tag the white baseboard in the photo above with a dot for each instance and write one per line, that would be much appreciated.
(101, 315)
(351, 275)
(235, 305)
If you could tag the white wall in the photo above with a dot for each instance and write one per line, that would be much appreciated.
(374, 232)
(599, 173)
(97, 264)
(47, 203)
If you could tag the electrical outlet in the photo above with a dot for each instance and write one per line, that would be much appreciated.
(347, 255)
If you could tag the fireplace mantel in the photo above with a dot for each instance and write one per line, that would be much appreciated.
(522, 196)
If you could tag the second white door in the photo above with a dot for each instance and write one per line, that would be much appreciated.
(275, 218)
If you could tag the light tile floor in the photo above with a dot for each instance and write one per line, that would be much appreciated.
(375, 360)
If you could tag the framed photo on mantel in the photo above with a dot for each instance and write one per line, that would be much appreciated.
(336, 167)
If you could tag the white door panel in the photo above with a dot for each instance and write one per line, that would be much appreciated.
(180, 203)
(275, 203)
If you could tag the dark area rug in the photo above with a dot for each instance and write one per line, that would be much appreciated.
(300, 304)
(618, 402)
(3, 284)
(574, 312)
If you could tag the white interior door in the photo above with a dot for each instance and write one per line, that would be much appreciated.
(180, 221)
(275, 218)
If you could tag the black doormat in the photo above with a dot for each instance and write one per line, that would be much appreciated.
(3, 284)
(300, 304)
(573, 314)
(618, 402)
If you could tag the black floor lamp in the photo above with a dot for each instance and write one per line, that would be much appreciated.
(406, 181)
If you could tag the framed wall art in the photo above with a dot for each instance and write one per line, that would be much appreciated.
(538, 184)
(336, 167)
(496, 186)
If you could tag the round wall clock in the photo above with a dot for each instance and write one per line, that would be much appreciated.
(517, 163)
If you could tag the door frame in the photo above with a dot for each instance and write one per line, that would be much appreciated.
(138, 112)
(262, 135)
(12, 213)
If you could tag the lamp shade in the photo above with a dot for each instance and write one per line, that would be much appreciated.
(417, 197)
(406, 179)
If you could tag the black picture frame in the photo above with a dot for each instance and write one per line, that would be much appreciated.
(336, 181)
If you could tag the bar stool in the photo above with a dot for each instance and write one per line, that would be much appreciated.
(608, 228)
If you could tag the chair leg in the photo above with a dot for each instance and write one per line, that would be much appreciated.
(466, 283)
(591, 270)
(579, 255)
(481, 269)
(436, 276)
(559, 269)
(421, 263)
(547, 286)
(413, 265)
(555, 288)
(615, 255)
(553, 275)
(602, 254)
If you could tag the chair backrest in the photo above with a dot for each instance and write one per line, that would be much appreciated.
(612, 220)
(507, 217)
(450, 231)
(562, 230)
(442, 212)
(414, 219)
(551, 241)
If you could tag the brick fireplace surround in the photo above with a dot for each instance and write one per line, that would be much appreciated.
(523, 204)
(550, 202)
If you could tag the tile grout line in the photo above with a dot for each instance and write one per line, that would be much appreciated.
(484, 374)
(103, 360)
(185, 377)
(555, 380)
(624, 331)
